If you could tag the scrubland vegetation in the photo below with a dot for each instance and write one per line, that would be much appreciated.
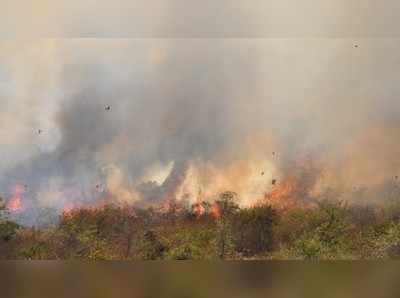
(328, 230)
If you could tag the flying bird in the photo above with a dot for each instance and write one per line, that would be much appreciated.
(273, 182)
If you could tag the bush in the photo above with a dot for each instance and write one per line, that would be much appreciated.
(151, 246)
(253, 229)
(8, 230)
(327, 230)
(383, 244)
(321, 232)
(36, 251)
(186, 251)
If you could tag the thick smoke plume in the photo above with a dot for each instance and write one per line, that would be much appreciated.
(146, 121)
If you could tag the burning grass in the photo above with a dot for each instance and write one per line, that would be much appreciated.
(288, 221)
(329, 229)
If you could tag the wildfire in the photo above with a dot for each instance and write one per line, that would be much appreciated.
(69, 208)
(215, 211)
(15, 202)
(287, 194)
(198, 209)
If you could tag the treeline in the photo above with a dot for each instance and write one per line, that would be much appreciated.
(326, 231)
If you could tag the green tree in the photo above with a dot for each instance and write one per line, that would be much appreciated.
(225, 208)
(324, 233)
(8, 228)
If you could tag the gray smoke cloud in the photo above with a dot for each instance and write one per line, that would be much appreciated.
(128, 105)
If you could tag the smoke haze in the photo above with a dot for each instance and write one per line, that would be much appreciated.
(146, 120)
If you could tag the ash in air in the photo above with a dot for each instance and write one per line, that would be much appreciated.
(141, 122)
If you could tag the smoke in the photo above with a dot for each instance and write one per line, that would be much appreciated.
(143, 121)
(205, 19)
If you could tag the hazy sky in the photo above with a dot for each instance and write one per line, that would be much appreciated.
(192, 18)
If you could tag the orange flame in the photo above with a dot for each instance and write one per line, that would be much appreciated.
(69, 207)
(215, 211)
(283, 196)
(198, 209)
(15, 202)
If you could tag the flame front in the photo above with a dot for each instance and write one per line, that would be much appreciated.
(15, 202)
(283, 196)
